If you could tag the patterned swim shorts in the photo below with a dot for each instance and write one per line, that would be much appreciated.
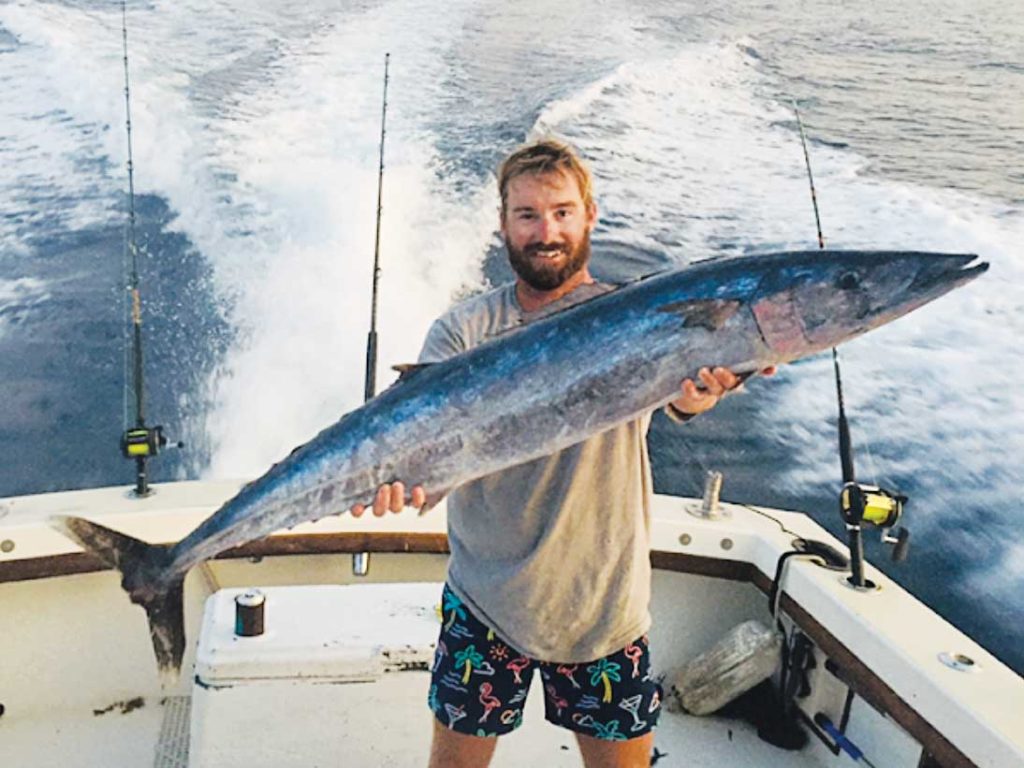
(479, 684)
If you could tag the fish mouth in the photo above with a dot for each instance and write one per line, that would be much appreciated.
(947, 271)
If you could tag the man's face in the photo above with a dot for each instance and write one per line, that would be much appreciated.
(547, 228)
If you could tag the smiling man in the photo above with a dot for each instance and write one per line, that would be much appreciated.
(546, 224)
(549, 567)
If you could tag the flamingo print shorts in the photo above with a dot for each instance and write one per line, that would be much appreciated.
(479, 684)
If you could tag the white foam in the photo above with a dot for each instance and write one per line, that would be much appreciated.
(261, 132)
(56, 114)
(18, 298)
(686, 152)
(303, 286)
(691, 155)
(1009, 568)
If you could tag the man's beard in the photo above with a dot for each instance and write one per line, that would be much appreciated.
(543, 275)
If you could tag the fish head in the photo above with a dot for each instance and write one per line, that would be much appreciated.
(809, 302)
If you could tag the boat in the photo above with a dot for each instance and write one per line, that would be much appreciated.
(339, 675)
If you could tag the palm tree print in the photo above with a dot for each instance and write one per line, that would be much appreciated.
(454, 604)
(605, 671)
(609, 732)
(470, 658)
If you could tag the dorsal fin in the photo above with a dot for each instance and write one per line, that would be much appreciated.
(407, 370)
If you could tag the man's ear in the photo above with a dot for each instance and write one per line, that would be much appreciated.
(591, 215)
(501, 222)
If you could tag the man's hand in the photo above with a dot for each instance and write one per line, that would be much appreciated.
(717, 382)
(392, 497)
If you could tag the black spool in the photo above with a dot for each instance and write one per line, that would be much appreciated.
(249, 613)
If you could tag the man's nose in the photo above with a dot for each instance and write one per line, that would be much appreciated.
(547, 228)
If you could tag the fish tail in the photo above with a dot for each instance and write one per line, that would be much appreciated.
(144, 577)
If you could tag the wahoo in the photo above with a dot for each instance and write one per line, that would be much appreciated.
(539, 388)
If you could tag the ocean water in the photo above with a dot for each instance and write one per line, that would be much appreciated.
(256, 129)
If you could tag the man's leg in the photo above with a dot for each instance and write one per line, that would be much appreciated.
(451, 749)
(598, 753)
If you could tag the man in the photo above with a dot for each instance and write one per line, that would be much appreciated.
(550, 560)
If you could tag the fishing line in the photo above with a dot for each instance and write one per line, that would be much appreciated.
(775, 520)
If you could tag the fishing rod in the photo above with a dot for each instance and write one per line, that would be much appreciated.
(138, 443)
(858, 503)
(361, 560)
(371, 340)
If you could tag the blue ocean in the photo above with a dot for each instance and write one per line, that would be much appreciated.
(256, 128)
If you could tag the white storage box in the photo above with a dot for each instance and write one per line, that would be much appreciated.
(339, 677)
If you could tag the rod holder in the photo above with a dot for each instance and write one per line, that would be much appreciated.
(709, 507)
(712, 492)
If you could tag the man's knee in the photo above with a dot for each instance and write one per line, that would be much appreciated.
(601, 753)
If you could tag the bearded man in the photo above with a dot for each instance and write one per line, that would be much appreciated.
(550, 566)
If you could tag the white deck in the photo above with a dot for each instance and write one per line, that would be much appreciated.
(84, 740)
(79, 646)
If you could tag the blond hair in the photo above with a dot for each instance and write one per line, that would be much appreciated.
(541, 157)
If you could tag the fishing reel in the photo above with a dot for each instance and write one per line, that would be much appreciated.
(142, 442)
(860, 504)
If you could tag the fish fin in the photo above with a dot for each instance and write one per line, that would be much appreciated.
(139, 562)
(166, 614)
(405, 370)
(710, 314)
(433, 499)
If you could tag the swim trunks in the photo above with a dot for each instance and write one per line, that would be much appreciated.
(479, 684)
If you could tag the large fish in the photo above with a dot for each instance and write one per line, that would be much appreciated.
(539, 388)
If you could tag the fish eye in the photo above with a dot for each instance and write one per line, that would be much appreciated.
(848, 281)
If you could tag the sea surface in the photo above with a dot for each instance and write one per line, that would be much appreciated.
(256, 128)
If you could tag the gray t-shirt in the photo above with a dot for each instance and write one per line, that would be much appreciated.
(552, 554)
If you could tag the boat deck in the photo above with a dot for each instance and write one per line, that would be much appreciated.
(79, 686)
(157, 734)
